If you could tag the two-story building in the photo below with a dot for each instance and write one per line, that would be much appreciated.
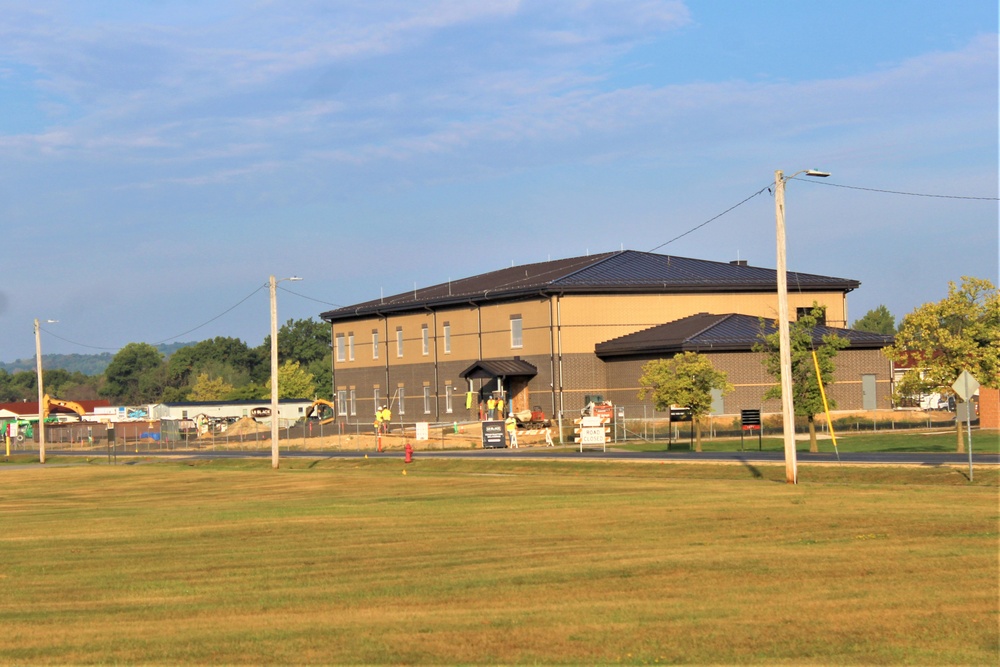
(535, 332)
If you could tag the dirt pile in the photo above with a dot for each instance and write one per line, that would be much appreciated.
(247, 425)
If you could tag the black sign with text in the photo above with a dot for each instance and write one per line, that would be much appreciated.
(494, 435)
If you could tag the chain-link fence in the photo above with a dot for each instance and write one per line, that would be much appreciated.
(631, 423)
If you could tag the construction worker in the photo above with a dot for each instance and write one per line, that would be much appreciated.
(500, 413)
(386, 418)
(378, 421)
(491, 407)
(511, 425)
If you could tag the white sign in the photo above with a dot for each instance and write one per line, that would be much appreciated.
(422, 431)
(966, 385)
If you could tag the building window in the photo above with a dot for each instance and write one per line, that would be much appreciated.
(447, 398)
(350, 347)
(342, 402)
(374, 343)
(447, 338)
(340, 347)
(427, 400)
(402, 401)
(425, 339)
(378, 399)
(399, 341)
(516, 339)
(354, 403)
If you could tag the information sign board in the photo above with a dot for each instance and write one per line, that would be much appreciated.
(494, 435)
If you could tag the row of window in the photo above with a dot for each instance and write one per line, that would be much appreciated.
(345, 343)
(347, 403)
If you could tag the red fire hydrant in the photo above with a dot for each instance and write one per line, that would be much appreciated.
(409, 453)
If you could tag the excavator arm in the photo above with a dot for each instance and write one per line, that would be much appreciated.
(48, 403)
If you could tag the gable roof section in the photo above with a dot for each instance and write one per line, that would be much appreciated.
(718, 333)
(625, 272)
(491, 368)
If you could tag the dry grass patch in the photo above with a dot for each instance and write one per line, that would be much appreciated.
(494, 562)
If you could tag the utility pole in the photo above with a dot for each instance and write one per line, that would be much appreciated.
(274, 372)
(41, 393)
(784, 353)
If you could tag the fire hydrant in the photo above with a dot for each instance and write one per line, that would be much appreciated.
(409, 453)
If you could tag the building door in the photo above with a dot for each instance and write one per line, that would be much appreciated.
(520, 399)
(868, 399)
(718, 403)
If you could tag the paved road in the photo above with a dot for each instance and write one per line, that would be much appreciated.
(749, 456)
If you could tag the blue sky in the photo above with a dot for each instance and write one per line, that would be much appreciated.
(161, 159)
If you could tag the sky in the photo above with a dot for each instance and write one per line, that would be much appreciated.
(159, 160)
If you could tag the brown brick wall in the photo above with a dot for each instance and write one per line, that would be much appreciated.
(989, 408)
(586, 321)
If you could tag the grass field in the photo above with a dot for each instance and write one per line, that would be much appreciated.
(940, 441)
(496, 562)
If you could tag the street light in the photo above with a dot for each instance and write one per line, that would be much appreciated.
(784, 344)
(274, 366)
(41, 390)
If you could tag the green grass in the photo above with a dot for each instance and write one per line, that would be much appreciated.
(944, 442)
(496, 562)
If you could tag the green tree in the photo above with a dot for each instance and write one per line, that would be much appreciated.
(18, 386)
(959, 332)
(803, 339)
(293, 381)
(210, 389)
(304, 341)
(686, 379)
(228, 358)
(877, 320)
(322, 372)
(136, 374)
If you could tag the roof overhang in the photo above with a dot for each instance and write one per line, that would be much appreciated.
(487, 369)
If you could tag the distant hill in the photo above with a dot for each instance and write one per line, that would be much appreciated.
(88, 364)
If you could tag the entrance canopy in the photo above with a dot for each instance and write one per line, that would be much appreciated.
(487, 369)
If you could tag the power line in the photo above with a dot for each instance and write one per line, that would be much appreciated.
(73, 342)
(303, 296)
(184, 333)
(835, 185)
(766, 187)
(897, 192)
(213, 319)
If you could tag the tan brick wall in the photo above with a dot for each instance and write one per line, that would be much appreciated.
(585, 321)
(588, 320)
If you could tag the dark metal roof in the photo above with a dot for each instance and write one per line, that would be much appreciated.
(719, 333)
(491, 368)
(625, 272)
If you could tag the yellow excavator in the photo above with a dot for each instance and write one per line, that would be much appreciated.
(48, 403)
(324, 410)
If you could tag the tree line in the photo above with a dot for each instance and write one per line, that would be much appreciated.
(217, 369)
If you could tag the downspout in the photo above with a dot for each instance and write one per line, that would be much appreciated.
(437, 388)
(387, 385)
(479, 314)
(552, 355)
(333, 364)
(562, 401)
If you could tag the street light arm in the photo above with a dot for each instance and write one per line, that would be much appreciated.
(816, 173)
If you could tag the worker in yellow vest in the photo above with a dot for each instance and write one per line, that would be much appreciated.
(386, 418)
(491, 408)
(511, 425)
